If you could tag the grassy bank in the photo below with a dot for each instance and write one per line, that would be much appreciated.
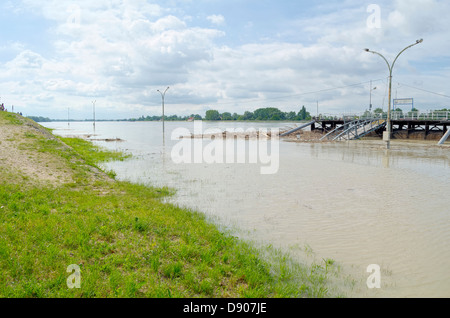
(57, 209)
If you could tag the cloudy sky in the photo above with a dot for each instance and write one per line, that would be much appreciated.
(229, 55)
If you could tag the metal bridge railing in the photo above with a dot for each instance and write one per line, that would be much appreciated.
(355, 129)
(395, 115)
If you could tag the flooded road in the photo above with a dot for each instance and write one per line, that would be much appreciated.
(353, 202)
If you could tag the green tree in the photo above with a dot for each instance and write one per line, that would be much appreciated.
(275, 117)
(40, 119)
(303, 114)
(248, 116)
(212, 115)
(227, 116)
(291, 116)
(413, 112)
(378, 111)
(367, 114)
(269, 113)
(173, 118)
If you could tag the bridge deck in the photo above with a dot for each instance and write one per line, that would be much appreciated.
(407, 125)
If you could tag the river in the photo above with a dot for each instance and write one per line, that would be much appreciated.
(353, 202)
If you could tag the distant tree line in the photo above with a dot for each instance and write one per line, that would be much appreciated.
(167, 118)
(40, 119)
(261, 114)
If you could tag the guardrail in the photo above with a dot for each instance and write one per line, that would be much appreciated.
(395, 115)
(354, 129)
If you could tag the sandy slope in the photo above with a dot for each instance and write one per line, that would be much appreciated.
(19, 152)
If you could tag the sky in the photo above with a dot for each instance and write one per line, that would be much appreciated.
(59, 58)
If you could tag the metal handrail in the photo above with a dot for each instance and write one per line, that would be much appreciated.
(395, 115)
(338, 130)
(367, 126)
(351, 128)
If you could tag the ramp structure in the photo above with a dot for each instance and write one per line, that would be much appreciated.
(355, 129)
(297, 129)
(444, 138)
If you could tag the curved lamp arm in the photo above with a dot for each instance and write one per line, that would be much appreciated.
(163, 94)
(395, 60)
(417, 42)
(388, 65)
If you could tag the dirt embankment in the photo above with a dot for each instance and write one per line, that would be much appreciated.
(19, 152)
(24, 152)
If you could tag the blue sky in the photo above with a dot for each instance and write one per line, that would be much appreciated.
(233, 55)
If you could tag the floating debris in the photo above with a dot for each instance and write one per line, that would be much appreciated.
(108, 139)
(233, 134)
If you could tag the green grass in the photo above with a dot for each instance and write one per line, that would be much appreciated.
(11, 118)
(128, 238)
(93, 154)
(127, 242)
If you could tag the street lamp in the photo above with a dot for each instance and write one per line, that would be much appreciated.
(163, 95)
(93, 111)
(388, 133)
(370, 103)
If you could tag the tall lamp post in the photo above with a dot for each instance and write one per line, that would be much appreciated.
(370, 103)
(163, 95)
(391, 67)
(93, 111)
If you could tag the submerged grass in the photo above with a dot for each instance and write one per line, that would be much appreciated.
(126, 242)
(92, 154)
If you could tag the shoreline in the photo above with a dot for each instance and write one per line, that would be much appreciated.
(315, 137)
(59, 209)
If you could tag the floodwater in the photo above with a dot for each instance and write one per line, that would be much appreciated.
(353, 202)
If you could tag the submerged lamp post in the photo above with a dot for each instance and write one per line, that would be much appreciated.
(93, 111)
(387, 137)
(163, 95)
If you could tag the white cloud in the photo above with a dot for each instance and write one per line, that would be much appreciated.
(216, 19)
(123, 48)
(122, 51)
(26, 60)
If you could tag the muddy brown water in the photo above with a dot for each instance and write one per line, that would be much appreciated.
(353, 202)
